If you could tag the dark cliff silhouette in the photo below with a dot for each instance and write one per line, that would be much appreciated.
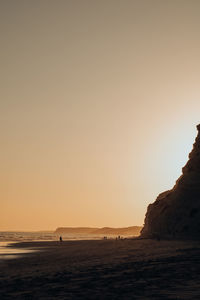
(176, 213)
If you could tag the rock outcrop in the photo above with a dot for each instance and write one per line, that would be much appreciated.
(176, 213)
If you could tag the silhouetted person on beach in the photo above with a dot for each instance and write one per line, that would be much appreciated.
(61, 239)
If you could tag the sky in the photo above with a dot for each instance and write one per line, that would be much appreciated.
(99, 103)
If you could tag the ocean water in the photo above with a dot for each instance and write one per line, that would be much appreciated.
(19, 236)
(7, 238)
(11, 237)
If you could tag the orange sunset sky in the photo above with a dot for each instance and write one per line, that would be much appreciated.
(99, 103)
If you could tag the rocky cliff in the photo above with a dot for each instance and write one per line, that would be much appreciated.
(176, 213)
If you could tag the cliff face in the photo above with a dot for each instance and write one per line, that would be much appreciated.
(176, 213)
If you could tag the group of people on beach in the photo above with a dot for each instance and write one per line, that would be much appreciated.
(117, 238)
(105, 238)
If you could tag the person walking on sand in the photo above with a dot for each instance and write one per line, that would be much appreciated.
(61, 239)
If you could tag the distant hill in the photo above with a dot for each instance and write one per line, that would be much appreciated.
(132, 230)
(77, 230)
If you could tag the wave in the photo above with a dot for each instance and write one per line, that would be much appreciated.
(44, 236)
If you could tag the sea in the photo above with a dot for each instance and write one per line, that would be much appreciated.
(20, 236)
(10, 238)
(24, 236)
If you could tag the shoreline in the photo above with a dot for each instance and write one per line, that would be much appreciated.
(11, 250)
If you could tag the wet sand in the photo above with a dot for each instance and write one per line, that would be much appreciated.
(106, 269)
(10, 252)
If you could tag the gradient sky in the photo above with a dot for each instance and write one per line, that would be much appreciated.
(99, 103)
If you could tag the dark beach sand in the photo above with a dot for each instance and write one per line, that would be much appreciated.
(124, 269)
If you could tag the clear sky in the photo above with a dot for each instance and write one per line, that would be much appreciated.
(98, 106)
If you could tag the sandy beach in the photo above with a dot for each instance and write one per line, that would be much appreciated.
(104, 269)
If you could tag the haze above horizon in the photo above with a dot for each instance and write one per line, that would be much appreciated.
(99, 103)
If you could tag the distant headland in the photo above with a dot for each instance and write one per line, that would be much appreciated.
(132, 230)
